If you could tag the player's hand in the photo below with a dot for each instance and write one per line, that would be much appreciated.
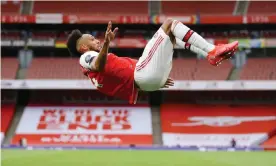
(168, 83)
(109, 34)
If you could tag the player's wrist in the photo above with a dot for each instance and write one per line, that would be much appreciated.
(106, 42)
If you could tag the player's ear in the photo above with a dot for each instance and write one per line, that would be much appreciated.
(83, 48)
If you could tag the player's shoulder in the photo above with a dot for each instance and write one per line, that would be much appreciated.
(87, 57)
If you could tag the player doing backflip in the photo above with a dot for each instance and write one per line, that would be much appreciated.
(122, 77)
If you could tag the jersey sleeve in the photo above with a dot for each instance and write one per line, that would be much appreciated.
(87, 58)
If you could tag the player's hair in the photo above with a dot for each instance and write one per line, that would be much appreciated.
(72, 42)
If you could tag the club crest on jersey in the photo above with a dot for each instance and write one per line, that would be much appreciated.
(88, 59)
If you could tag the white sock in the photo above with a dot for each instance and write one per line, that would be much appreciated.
(187, 35)
(190, 47)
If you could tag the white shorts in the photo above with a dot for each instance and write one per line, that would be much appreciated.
(155, 64)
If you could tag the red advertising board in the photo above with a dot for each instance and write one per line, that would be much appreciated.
(13, 19)
(59, 18)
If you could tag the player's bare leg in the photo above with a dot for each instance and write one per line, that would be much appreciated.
(166, 26)
(216, 54)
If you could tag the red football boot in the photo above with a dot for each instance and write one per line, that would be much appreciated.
(222, 52)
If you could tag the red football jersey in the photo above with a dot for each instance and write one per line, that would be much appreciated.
(117, 78)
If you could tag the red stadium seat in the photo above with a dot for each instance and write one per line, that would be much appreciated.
(43, 35)
(205, 71)
(194, 7)
(183, 69)
(10, 7)
(259, 69)
(262, 7)
(7, 112)
(55, 68)
(93, 7)
(10, 35)
(8, 68)
(271, 142)
(192, 69)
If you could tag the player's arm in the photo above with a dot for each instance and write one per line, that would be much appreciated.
(100, 61)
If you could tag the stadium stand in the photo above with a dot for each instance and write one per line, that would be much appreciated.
(187, 100)
(6, 116)
(55, 68)
(259, 69)
(7, 112)
(270, 142)
(8, 68)
(260, 7)
(192, 69)
(183, 69)
(205, 72)
(10, 7)
(189, 7)
(95, 7)
(43, 35)
(10, 34)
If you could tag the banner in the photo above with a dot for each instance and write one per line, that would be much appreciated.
(30, 42)
(133, 42)
(15, 19)
(178, 85)
(53, 18)
(215, 140)
(85, 125)
(59, 18)
(216, 125)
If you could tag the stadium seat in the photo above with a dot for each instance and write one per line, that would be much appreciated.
(55, 68)
(43, 35)
(192, 69)
(10, 7)
(7, 112)
(10, 35)
(259, 69)
(271, 142)
(260, 7)
(183, 69)
(93, 7)
(204, 71)
(8, 68)
(190, 7)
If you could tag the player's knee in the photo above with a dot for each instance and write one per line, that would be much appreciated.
(154, 79)
(166, 26)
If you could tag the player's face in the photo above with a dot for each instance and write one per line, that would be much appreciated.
(92, 43)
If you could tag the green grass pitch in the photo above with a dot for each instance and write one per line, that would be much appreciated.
(135, 158)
